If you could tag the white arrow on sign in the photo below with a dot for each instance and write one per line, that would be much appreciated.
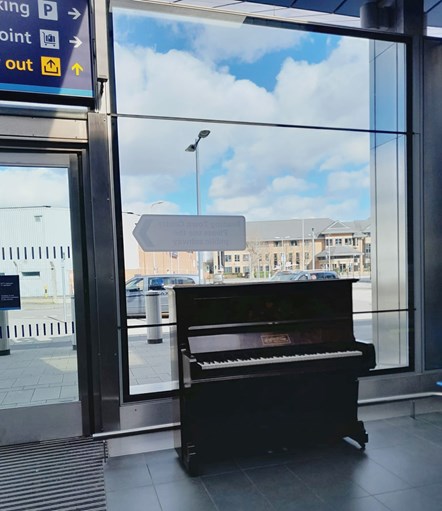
(75, 13)
(167, 233)
(76, 42)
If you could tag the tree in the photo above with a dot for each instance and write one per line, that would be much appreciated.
(257, 250)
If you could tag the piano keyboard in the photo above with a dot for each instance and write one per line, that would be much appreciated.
(216, 364)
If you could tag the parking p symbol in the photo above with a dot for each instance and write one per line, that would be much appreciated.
(47, 10)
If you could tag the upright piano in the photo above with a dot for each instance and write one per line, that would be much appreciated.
(264, 367)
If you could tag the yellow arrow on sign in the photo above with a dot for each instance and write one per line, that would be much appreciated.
(77, 68)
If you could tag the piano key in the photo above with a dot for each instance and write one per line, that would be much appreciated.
(217, 364)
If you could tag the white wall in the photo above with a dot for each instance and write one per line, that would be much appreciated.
(34, 240)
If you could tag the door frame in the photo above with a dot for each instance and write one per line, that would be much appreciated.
(68, 419)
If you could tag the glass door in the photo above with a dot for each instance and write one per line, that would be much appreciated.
(39, 388)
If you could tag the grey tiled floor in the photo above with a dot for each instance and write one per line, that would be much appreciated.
(45, 371)
(400, 470)
(36, 374)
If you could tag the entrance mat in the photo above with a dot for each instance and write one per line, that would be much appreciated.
(56, 475)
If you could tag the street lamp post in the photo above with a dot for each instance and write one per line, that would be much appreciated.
(283, 253)
(193, 148)
(313, 249)
(303, 246)
(328, 242)
(154, 259)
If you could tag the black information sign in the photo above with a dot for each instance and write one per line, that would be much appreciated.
(9, 292)
(45, 47)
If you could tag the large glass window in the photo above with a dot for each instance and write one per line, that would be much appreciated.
(294, 146)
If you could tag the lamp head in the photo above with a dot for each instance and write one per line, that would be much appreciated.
(191, 148)
(203, 133)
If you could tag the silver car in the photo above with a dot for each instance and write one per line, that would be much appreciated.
(288, 275)
(137, 287)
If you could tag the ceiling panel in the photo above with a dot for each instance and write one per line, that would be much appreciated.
(333, 12)
(429, 4)
(434, 16)
(317, 5)
(280, 3)
(350, 7)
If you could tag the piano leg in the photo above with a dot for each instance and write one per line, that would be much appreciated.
(359, 435)
(189, 458)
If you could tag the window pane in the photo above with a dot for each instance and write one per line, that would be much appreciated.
(388, 97)
(191, 67)
(338, 196)
(251, 171)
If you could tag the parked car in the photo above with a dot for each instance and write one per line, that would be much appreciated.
(289, 275)
(137, 287)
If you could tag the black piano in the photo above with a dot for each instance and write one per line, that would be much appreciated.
(264, 367)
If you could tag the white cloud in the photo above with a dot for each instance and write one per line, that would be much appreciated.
(179, 84)
(259, 171)
(216, 40)
(268, 207)
(333, 92)
(342, 181)
(21, 187)
(289, 183)
(244, 43)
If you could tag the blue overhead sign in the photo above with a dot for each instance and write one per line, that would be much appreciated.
(45, 47)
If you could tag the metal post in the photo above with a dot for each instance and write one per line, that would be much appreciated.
(155, 269)
(328, 241)
(74, 329)
(194, 148)
(303, 246)
(4, 339)
(63, 285)
(153, 317)
(198, 209)
(171, 304)
(313, 249)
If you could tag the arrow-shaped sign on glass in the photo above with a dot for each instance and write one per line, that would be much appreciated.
(161, 233)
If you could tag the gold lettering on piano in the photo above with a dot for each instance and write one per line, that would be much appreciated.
(275, 339)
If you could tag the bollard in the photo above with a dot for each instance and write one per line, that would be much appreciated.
(153, 317)
(171, 305)
(4, 340)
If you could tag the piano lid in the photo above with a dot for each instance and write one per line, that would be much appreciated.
(263, 302)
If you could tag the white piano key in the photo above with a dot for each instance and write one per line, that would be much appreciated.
(278, 359)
